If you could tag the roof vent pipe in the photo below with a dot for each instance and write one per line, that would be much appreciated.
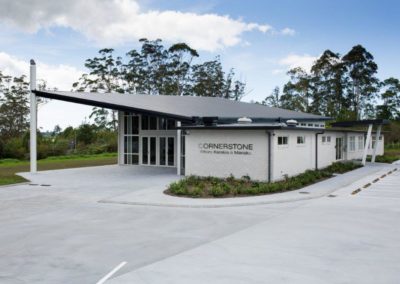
(244, 120)
(291, 122)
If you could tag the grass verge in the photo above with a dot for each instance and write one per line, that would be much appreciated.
(9, 167)
(212, 187)
(390, 156)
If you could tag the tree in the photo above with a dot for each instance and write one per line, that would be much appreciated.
(273, 100)
(390, 108)
(14, 108)
(56, 131)
(156, 70)
(209, 80)
(181, 57)
(361, 84)
(298, 92)
(327, 75)
(85, 133)
(105, 75)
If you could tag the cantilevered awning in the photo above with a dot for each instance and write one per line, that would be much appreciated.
(184, 108)
(364, 122)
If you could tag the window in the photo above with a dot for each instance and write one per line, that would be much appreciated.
(360, 142)
(310, 124)
(303, 124)
(166, 124)
(153, 123)
(145, 122)
(170, 124)
(131, 138)
(373, 141)
(283, 140)
(326, 139)
(316, 125)
(301, 139)
(352, 143)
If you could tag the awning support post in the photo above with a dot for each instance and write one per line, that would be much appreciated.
(178, 148)
(367, 142)
(33, 118)
(377, 135)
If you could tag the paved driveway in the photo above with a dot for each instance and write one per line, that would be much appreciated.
(61, 234)
(343, 239)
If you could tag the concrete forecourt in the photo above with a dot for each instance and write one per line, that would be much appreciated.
(56, 231)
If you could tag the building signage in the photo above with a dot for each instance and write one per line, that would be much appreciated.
(226, 148)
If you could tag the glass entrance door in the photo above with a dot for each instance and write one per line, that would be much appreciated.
(149, 150)
(167, 151)
(339, 148)
(158, 151)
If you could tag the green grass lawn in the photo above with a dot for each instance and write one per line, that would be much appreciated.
(9, 167)
(390, 156)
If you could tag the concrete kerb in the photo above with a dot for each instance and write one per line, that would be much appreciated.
(157, 198)
(15, 184)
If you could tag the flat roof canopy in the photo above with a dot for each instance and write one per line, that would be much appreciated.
(185, 108)
(360, 122)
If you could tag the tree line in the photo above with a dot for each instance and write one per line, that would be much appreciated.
(154, 69)
(344, 87)
(340, 86)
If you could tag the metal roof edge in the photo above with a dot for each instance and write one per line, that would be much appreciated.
(52, 95)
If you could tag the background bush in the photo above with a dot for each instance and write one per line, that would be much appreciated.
(86, 139)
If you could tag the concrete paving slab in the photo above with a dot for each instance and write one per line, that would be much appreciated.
(328, 240)
(61, 234)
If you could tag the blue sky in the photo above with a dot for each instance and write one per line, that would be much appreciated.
(248, 35)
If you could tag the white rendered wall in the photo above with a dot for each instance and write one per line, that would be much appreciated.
(358, 153)
(293, 159)
(381, 147)
(327, 150)
(203, 163)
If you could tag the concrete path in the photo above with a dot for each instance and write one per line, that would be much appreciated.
(350, 238)
(154, 196)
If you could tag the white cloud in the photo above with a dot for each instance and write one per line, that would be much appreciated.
(288, 31)
(111, 22)
(56, 76)
(291, 61)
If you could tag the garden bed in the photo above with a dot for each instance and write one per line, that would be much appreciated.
(212, 187)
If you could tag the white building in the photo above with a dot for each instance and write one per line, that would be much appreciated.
(219, 137)
(208, 136)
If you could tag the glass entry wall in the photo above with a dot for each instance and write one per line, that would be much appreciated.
(149, 140)
(131, 139)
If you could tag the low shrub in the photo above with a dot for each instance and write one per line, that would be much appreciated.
(195, 186)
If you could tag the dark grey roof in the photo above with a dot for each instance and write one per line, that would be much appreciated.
(180, 107)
